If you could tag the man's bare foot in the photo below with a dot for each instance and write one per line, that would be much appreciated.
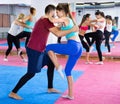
(52, 90)
(14, 96)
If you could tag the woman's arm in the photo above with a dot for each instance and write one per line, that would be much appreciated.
(59, 25)
(95, 20)
(89, 23)
(26, 18)
(22, 24)
(59, 33)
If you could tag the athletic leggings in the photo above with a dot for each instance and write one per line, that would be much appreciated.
(24, 34)
(97, 37)
(115, 34)
(10, 40)
(107, 37)
(84, 44)
(28, 76)
(71, 48)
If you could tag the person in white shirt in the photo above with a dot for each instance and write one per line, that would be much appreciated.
(97, 36)
(11, 37)
(107, 32)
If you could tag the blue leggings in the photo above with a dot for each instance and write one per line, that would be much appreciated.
(71, 48)
(115, 33)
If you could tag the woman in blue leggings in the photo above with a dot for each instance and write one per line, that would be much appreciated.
(115, 32)
(72, 48)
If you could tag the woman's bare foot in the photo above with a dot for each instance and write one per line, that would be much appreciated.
(52, 90)
(14, 96)
(68, 97)
(59, 69)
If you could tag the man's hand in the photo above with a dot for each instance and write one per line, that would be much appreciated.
(75, 28)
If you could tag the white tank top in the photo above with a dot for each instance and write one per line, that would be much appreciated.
(102, 24)
(109, 27)
(14, 29)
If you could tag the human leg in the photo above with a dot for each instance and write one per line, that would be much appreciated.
(88, 36)
(27, 35)
(115, 34)
(69, 66)
(50, 73)
(59, 67)
(21, 35)
(9, 41)
(33, 57)
(61, 49)
(64, 49)
(17, 45)
(20, 84)
(107, 36)
(85, 45)
(98, 42)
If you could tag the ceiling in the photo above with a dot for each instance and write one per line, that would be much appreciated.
(70, 1)
(87, 0)
(28, 2)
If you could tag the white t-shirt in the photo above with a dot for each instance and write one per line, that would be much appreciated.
(109, 27)
(102, 24)
(14, 29)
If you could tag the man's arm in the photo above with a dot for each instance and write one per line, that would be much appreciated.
(95, 20)
(59, 33)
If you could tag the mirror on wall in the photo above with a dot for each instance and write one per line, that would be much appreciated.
(90, 7)
(9, 13)
(109, 8)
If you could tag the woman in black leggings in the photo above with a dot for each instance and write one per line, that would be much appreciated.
(97, 36)
(29, 20)
(107, 32)
(84, 26)
(11, 37)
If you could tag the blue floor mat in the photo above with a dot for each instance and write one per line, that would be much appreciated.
(103, 48)
(34, 92)
(22, 44)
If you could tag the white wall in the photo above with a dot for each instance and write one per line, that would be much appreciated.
(18, 9)
(15, 2)
(50, 1)
(40, 6)
(108, 11)
(13, 9)
(85, 1)
(4, 9)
